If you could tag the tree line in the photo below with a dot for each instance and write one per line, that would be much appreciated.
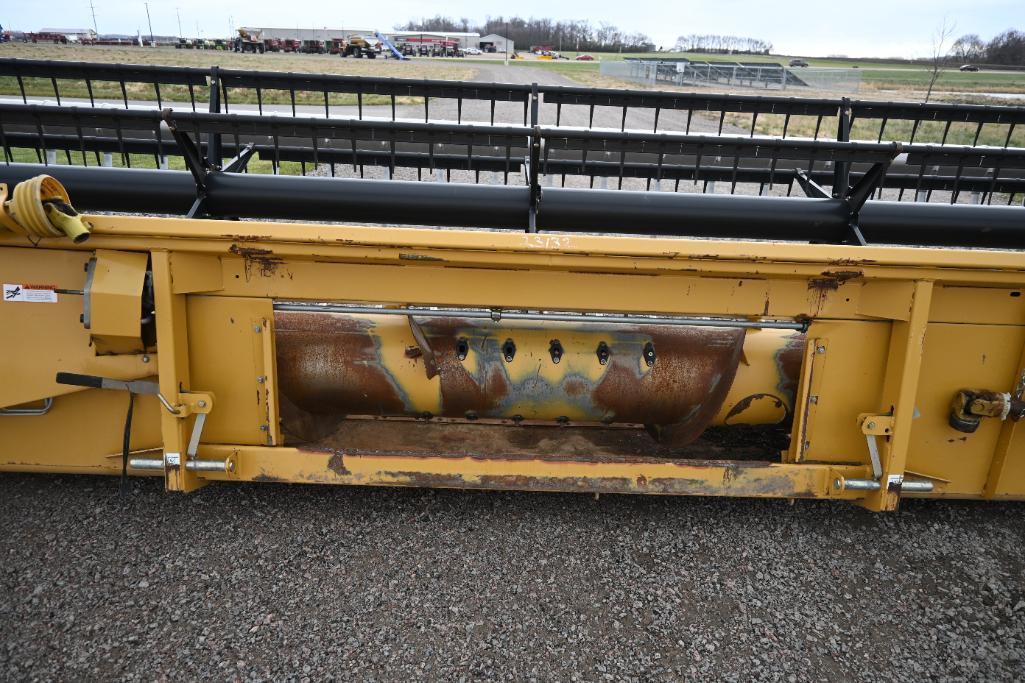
(1008, 48)
(722, 44)
(561, 35)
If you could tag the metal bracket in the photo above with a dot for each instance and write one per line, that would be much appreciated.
(32, 412)
(874, 426)
(533, 175)
(809, 186)
(239, 163)
(197, 164)
(426, 352)
(200, 405)
(853, 198)
(842, 169)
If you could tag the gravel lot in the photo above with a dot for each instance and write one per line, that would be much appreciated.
(275, 581)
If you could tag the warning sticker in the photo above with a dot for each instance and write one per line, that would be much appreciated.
(35, 294)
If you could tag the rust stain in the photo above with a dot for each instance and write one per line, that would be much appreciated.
(327, 365)
(245, 238)
(789, 360)
(733, 483)
(491, 442)
(832, 280)
(419, 257)
(336, 463)
(262, 259)
(745, 403)
(679, 397)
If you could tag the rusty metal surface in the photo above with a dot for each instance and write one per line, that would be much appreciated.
(431, 439)
(336, 364)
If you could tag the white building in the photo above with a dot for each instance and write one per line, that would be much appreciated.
(496, 43)
(463, 39)
(300, 34)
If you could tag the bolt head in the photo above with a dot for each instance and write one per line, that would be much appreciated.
(145, 359)
(871, 425)
(201, 403)
(258, 328)
(820, 349)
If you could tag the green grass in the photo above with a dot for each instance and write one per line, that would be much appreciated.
(929, 132)
(950, 80)
(174, 163)
(178, 94)
(876, 75)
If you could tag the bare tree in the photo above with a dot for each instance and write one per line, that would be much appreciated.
(938, 57)
(968, 48)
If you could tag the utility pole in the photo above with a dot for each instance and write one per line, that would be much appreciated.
(150, 22)
(507, 43)
(177, 10)
(92, 8)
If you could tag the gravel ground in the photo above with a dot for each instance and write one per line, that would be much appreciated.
(293, 582)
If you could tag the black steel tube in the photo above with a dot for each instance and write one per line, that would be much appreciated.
(130, 190)
(561, 209)
(367, 201)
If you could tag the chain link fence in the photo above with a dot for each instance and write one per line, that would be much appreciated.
(732, 74)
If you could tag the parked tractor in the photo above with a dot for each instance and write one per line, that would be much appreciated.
(358, 46)
(248, 41)
(313, 47)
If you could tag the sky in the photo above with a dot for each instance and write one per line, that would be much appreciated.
(863, 28)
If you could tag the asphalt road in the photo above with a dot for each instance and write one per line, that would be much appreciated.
(302, 582)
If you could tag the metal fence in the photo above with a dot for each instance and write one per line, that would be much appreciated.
(308, 131)
(732, 75)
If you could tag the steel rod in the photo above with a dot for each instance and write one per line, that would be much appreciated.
(497, 315)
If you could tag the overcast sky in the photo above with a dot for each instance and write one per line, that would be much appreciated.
(860, 28)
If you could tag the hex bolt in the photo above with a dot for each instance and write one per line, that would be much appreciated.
(813, 399)
(145, 359)
(508, 350)
(555, 349)
(201, 403)
(871, 425)
(649, 354)
(258, 328)
(820, 349)
(261, 379)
